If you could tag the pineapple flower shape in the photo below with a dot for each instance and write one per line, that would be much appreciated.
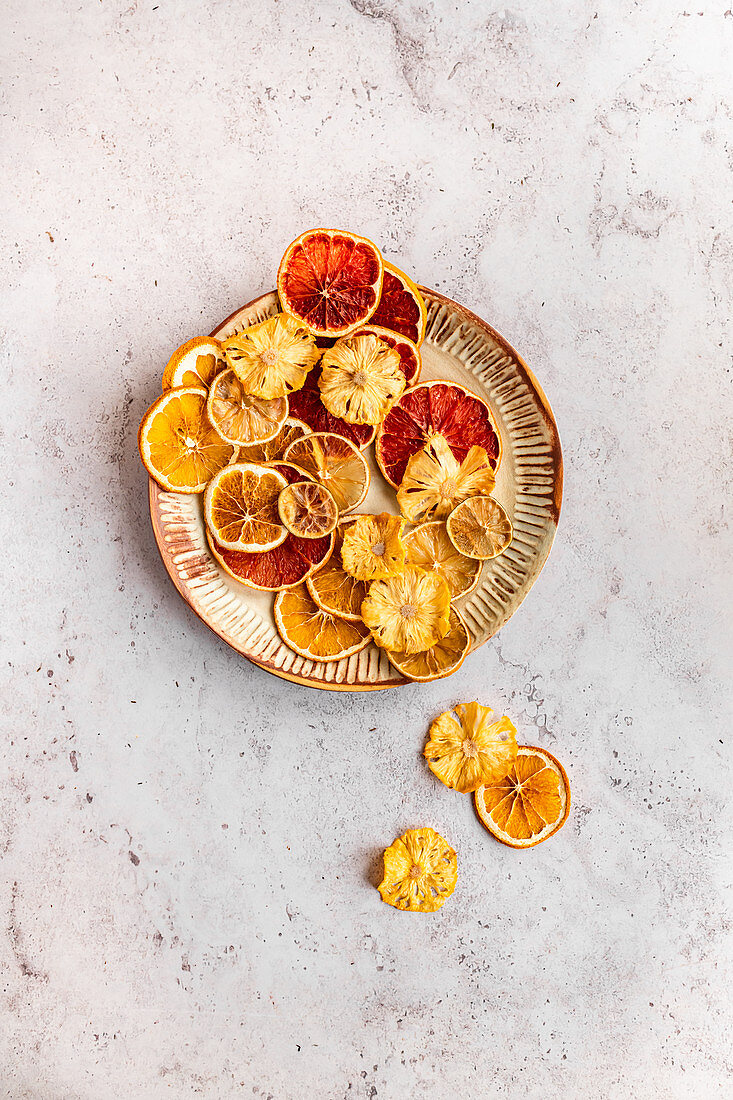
(408, 612)
(435, 481)
(420, 871)
(372, 548)
(472, 751)
(361, 378)
(272, 358)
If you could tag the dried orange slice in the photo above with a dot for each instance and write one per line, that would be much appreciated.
(330, 280)
(286, 565)
(420, 871)
(238, 416)
(178, 445)
(273, 449)
(409, 353)
(195, 363)
(372, 547)
(361, 377)
(465, 749)
(307, 509)
(336, 463)
(306, 404)
(401, 305)
(479, 528)
(435, 482)
(429, 547)
(331, 586)
(240, 507)
(272, 358)
(530, 803)
(429, 409)
(408, 612)
(311, 632)
(442, 659)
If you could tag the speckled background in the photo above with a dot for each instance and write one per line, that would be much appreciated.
(189, 846)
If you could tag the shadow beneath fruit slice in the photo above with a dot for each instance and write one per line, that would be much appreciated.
(374, 866)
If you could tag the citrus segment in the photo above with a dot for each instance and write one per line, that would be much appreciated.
(307, 509)
(273, 449)
(442, 659)
(372, 547)
(401, 305)
(238, 416)
(331, 586)
(178, 445)
(408, 612)
(429, 547)
(435, 481)
(336, 463)
(420, 871)
(272, 358)
(195, 363)
(240, 507)
(479, 528)
(408, 351)
(466, 749)
(361, 377)
(286, 565)
(314, 633)
(530, 803)
(307, 405)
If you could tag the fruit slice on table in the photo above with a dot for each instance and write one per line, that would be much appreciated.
(312, 632)
(409, 612)
(273, 449)
(195, 363)
(408, 351)
(240, 507)
(178, 445)
(272, 358)
(306, 404)
(238, 416)
(429, 547)
(336, 463)
(330, 280)
(372, 547)
(443, 658)
(479, 528)
(361, 378)
(331, 586)
(435, 482)
(307, 509)
(530, 803)
(401, 305)
(466, 749)
(287, 565)
(420, 871)
(429, 409)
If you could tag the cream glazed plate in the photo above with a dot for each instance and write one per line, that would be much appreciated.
(462, 348)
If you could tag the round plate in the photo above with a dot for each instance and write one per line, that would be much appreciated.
(462, 348)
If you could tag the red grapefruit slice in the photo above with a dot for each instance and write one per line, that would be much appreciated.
(410, 361)
(312, 411)
(289, 564)
(401, 305)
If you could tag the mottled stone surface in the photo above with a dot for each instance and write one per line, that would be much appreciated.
(189, 847)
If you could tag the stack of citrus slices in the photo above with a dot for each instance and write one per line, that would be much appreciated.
(272, 424)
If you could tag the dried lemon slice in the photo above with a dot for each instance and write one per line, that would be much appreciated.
(372, 548)
(331, 586)
(195, 363)
(178, 445)
(361, 378)
(240, 507)
(273, 357)
(442, 659)
(273, 449)
(336, 463)
(479, 528)
(429, 547)
(420, 871)
(530, 803)
(307, 509)
(311, 632)
(238, 416)
(408, 612)
(435, 482)
(465, 749)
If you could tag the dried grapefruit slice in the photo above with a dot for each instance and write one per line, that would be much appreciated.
(178, 445)
(408, 351)
(330, 280)
(466, 749)
(272, 358)
(311, 632)
(401, 305)
(306, 404)
(442, 659)
(372, 547)
(435, 482)
(331, 586)
(420, 871)
(240, 507)
(429, 547)
(479, 528)
(408, 612)
(361, 378)
(434, 408)
(271, 571)
(238, 416)
(273, 449)
(336, 463)
(195, 363)
(530, 803)
(307, 509)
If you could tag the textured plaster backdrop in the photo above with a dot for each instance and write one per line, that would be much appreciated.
(189, 846)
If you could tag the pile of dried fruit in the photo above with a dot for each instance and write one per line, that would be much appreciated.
(272, 424)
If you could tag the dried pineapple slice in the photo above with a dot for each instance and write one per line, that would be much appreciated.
(272, 358)
(372, 548)
(408, 612)
(472, 751)
(435, 482)
(361, 378)
(420, 871)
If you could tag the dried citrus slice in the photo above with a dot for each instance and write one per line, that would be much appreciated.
(331, 586)
(435, 482)
(195, 363)
(465, 749)
(285, 566)
(178, 445)
(401, 305)
(372, 547)
(408, 612)
(272, 358)
(420, 871)
(307, 509)
(408, 351)
(312, 632)
(240, 507)
(361, 377)
(479, 528)
(429, 547)
(530, 803)
(306, 404)
(273, 449)
(238, 416)
(442, 659)
(290, 471)
(331, 280)
(429, 409)
(335, 462)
